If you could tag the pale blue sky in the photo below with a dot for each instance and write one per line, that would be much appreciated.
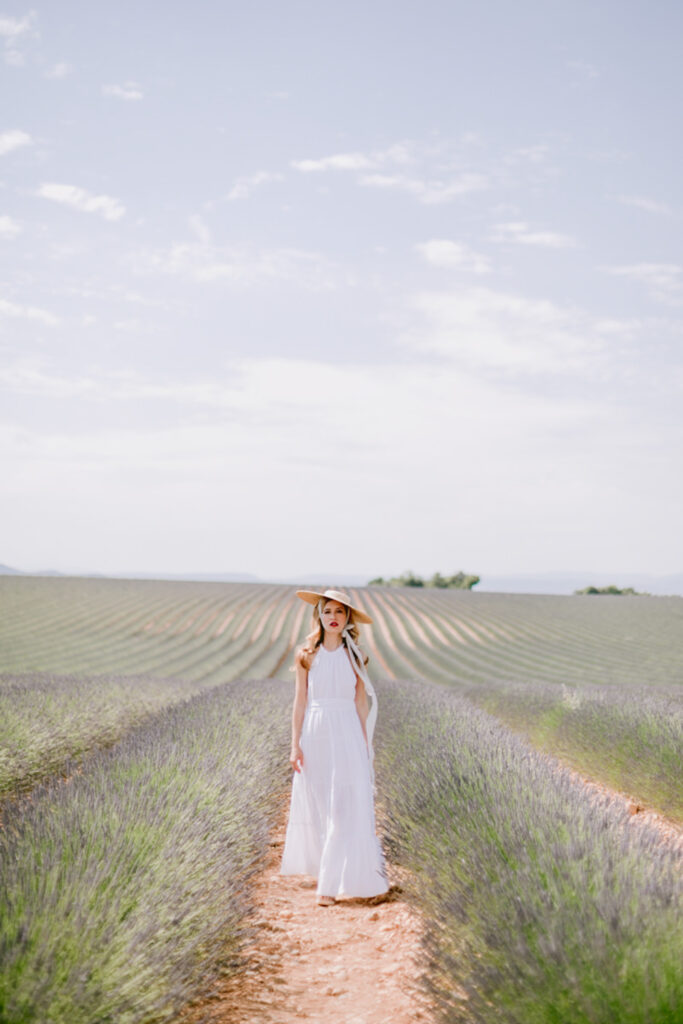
(362, 286)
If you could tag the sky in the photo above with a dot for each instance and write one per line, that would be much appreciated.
(367, 286)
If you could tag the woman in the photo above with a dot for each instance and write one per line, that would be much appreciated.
(331, 827)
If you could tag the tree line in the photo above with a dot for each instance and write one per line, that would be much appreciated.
(612, 589)
(458, 581)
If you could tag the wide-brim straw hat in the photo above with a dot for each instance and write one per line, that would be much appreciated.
(313, 596)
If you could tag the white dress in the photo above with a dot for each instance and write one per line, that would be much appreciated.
(331, 828)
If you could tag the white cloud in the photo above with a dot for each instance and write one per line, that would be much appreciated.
(536, 154)
(428, 191)
(13, 30)
(199, 229)
(520, 233)
(337, 162)
(442, 252)
(203, 263)
(255, 428)
(13, 140)
(398, 153)
(643, 203)
(377, 169)
(28, 377)
(9, 228)
(60, 70)
(265, 417)
(71, 195)
(664, 281)
(479, 327)
(13, 309)
(244, 186)
(127, 91)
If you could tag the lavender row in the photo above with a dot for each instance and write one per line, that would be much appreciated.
(595, 682)
(126, 886)
(47, 719)
(629, 737)
(541, 904)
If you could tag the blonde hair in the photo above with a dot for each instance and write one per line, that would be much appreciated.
(303, 655)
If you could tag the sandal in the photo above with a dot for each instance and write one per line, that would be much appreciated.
(326, 901)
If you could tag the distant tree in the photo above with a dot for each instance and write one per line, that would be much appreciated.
(461, 581)
(409, 579)
(458, 581)
(611, 589)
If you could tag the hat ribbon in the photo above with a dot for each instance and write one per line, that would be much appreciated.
(357, 661)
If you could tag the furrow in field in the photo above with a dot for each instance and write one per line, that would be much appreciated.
(267, 611)
(546, 661)
(404, 639)
(430, 662)
(583, 626)
(100, 633)
(299, 611)
(233, 657)
(496, 660)
(180, 653)
(50, 625)
(416, 622)
(382, 638)
(170, 653)
(123, 648)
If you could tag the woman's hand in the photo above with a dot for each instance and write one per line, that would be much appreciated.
(296, 758)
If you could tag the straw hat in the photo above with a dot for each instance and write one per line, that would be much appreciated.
(313, 596)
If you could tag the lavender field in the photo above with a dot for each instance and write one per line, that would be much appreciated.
(143, 763)
(124, 888)
(595, 680)
(541, 905)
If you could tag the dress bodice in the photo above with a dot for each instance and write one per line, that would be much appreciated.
(331, 675)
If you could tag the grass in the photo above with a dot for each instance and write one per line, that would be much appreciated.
(126, 887)
(542, 906)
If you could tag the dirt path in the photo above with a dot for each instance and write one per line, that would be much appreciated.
(352, 963)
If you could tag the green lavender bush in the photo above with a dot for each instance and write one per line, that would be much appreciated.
(126, 886)
(629, 738)
(542, 905)
(46, 719)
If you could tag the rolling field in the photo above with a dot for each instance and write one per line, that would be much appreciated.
(143, 762)
(594, 680)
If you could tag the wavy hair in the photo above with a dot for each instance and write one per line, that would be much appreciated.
(305, 653)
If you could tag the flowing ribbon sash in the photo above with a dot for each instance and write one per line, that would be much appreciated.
(357, 662)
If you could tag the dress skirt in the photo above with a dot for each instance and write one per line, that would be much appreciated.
(331, 827)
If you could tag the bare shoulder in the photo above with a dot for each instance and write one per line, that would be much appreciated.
(302, 657)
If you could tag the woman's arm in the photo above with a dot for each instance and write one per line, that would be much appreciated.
(296, 757)
(362, 706)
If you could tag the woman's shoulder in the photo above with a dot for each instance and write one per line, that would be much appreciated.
(304, 655)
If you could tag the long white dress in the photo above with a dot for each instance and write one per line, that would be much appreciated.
(331, 828)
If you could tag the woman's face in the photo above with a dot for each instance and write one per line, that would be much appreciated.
(334, 617)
